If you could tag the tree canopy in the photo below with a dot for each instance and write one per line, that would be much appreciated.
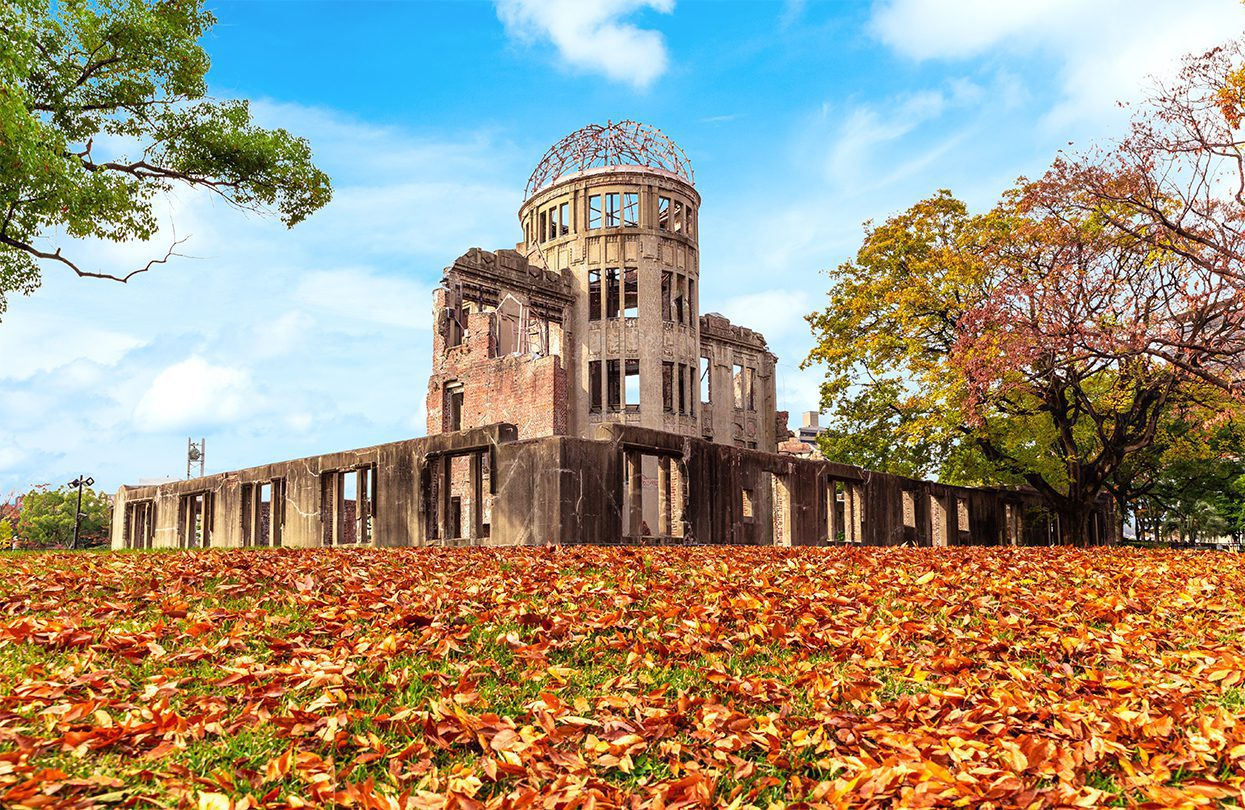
(1044, 341)
(47, 516)
(103, 105)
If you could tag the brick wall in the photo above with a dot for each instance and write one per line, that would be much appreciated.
(526, 391)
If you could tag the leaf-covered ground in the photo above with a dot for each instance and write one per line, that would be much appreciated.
(622, 677)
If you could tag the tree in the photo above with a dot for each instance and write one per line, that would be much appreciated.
(1025, 335)
(103, 105)
(47, 516)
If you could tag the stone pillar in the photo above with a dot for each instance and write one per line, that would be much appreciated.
(476, 489)
(446, 472)
(635, 502)
(665, 510)
(832, 519)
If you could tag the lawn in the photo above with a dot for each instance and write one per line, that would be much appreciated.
(596, 677)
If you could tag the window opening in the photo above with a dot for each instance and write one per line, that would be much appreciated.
(706, 382)
(682, 388)
(541, 228)
(611, 210)
(631, 293)
(594, 211)
(454, 406)
(613, 300)
(594, 295)
(667, 387)
(751, 375)
(594, 386)
(613, 385)
(666, 279)
(678, 216)
(749, 508)
(565, 219)
(632, 373)
(663, 213)
(631, 209)
(739, 386)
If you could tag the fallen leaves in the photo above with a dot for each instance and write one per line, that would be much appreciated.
(592, 677)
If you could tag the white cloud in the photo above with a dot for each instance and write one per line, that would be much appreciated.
(591, 36)
(1107, 50)
(195, 394)
(51, 342)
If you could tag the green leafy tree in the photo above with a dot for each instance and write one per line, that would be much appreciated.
(103, 105)
(47, 516)
(6, 535)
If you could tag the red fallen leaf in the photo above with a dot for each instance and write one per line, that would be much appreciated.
(175, 609)
(407, 621)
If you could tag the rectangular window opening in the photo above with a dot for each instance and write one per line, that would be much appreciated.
(594, 295)
(682, 388)
(613, 292)
(613, 385)
(678, 216)
(667, 387)
(666, 283)
(454, 406)
(738, 377)
(631, 209)
(705, 381)
(594, 386)
(541, 228)
(663, 213)
(594, 211)
(751, 379)
(748, 507)
(631, 293)
(632, 373)
(612, 210)
(564, 219)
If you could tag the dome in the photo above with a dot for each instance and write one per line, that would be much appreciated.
(617, 143)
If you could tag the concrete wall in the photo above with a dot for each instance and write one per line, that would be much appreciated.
(486, 487)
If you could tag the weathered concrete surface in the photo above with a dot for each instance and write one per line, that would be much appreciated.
(569, 490)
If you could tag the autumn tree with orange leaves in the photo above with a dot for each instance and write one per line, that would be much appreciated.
(1042, 342)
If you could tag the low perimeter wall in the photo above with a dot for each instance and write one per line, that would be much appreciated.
(629, 485)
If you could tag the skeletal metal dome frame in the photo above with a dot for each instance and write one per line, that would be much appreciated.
(617, 143)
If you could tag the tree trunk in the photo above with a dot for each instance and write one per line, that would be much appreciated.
(1074, 524)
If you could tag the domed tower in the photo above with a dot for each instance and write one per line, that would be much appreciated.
(614, 207)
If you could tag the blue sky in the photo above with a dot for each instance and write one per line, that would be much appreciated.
(802, 120)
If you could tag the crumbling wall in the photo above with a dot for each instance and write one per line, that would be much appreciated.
(738, 387)
(497, 346)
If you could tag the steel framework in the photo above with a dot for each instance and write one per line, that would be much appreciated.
(617, 143)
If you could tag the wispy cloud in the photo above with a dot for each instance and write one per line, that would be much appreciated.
(1107, 50)
(592, 36)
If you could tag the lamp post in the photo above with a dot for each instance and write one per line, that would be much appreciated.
(79, 482)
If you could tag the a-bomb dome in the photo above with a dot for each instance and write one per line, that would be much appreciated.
(616, 143)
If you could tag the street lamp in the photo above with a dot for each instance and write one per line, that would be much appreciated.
(79, 482)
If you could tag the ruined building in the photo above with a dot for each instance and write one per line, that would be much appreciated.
(579, 395)
(594, 319)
